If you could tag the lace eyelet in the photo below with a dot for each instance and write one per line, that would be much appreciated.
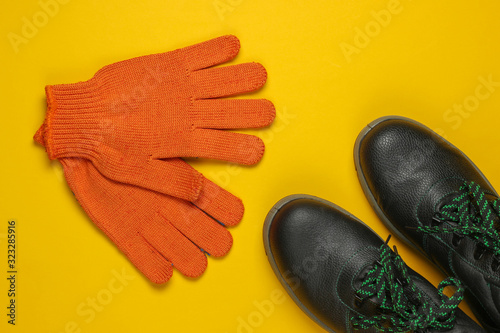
(436, 220)
(402, 283)
(358, 301)
(479, 252)
(457, 239)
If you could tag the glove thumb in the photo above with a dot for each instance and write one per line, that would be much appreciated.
(39, 136)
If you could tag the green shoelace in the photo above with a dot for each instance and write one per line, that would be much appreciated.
(470, 214)
(402, 305)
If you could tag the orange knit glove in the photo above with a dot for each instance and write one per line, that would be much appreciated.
(155, 231)
(133, 117)
(130, 126)
(127, 126)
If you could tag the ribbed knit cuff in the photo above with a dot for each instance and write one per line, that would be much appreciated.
(74, 123)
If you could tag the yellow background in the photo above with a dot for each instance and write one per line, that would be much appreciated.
(430, 56)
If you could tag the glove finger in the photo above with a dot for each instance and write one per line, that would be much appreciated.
(232, 113)
(174, 177)
(228, 80)
(148, 260)
(186, 257)
(198, 227)
(210, 53)
(191, 58)
(214, 144)
(93, 190)
(220, 204)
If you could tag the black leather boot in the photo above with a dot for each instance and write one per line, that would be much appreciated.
(433, 197)
(347, 279)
